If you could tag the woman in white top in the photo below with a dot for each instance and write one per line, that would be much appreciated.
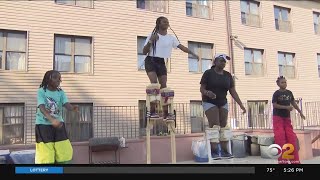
(158, 47)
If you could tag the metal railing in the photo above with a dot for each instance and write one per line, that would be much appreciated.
(130, 121)
(312, 113)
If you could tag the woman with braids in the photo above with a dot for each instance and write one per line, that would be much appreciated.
(158, 47)
(52, 143)
(283, 132)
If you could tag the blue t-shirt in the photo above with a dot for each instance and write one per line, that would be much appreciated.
(53, 102)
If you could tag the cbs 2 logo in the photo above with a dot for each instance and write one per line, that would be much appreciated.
(275, 151)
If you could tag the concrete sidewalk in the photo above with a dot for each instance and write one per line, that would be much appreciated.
(251, 160)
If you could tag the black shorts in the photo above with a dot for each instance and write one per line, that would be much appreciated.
(155, 64)
(52, 145)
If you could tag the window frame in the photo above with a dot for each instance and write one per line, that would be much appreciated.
(257, 103)
(253, 74)
(141, 67)
(70, 123)
(4, 51)
(3, 137)
(199, 53)
(75, 3)
(280, 20)
(196, 5)
(318, 63)
(318, 25)
(72, 53)
(201, 122)
(153, 7)
(251, 15)
(286, 64)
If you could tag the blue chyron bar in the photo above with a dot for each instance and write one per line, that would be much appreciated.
(39, 170)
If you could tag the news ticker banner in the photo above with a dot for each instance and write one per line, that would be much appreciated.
(133, 170)
(169, 169)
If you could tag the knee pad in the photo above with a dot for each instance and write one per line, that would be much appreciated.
(153, 92)
(225, 134)
(212, 134)
(167, 96)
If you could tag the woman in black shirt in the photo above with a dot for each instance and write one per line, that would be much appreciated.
(215, 83)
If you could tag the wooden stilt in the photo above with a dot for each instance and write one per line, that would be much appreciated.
(165, 99)
(148, 142)
(171, 126)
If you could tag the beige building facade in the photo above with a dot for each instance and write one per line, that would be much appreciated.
(97, 47)
(108, 32)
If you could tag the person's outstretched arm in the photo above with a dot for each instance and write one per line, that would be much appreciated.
(71, 107)
(294, 104)
(187, 50)
(235, 96)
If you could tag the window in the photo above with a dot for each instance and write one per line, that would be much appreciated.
(253, 59)
(142, 117)
(13, 50)
(159, 127)
(157, 6)
(199, 8)
(72, 54)
(140, 44)
(81, 3)
(257, 117)
(197, 117)
(318, 59)
(205, 53)
(141, 56)
(286, 63)
(250, 13)
(282, 19)
(11, 123)
(316, 22)
(79, 124)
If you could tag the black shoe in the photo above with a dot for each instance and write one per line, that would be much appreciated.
(170, 117)
(226, 155)
(154, 115)
(215, 155)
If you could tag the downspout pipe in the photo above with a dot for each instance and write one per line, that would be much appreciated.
(230, 38)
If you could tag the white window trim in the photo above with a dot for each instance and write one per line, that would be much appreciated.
(195, 4)
(263, 63)
(249, 14)
(295, 64)
(26, 51)
(200, 56)
(317, 13)
(91, 54)
(151, 10)
(75, 5)
(280, 18)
